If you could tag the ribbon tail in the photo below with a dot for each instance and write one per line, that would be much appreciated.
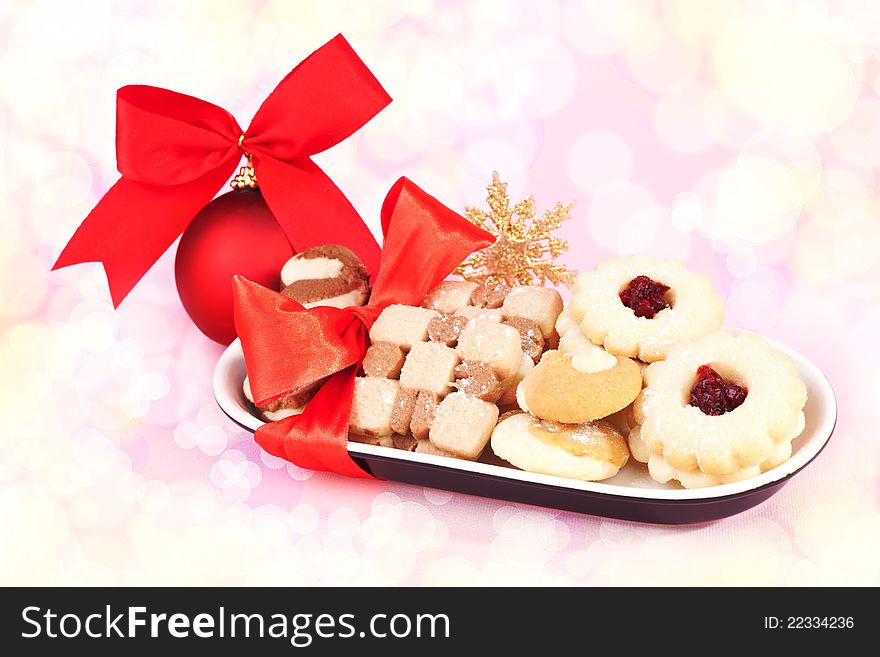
(312, 210)
(134, 224)
(317, 439)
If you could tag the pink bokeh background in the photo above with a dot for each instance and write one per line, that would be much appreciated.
(740, 137)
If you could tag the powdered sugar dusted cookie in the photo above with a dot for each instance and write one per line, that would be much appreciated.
(441, 369)
(328, 275)
(446, 329)
(640, 307)
(450, 296)
(490, 295)
(531, 338)
(425, 446)
(463, 424)
(383, 359)
(402, 325)
(474, 313)
(539, 304)
(402, 411)
(429, 366)
(720, 409)
(590, 452)
(478, 379)
(372, 406)
(493, 343)
(423, 416)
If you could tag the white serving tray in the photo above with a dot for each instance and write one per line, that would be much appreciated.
(631, 494)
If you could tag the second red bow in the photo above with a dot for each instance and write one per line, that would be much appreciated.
(175, 151)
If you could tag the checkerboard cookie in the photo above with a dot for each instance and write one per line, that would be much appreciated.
(442, 370)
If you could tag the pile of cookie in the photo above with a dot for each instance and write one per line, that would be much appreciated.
(636, 364)
(715, 407)
(436, 377)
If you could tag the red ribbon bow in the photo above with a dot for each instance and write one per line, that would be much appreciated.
(287, 347)
(175, 151)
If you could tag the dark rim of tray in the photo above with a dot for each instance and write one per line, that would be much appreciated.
(621, 498)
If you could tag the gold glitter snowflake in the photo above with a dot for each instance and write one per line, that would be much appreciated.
(525, 249)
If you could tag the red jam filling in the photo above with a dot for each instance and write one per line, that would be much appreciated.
(713, 395)
(644, 296)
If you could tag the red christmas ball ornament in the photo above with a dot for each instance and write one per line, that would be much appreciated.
(235, 233)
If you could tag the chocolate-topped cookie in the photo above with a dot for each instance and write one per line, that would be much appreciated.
(327, 275)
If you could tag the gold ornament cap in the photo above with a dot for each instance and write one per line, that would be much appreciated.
(246, 178)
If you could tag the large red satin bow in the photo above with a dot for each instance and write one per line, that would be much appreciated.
(175, 151)
(287, 347)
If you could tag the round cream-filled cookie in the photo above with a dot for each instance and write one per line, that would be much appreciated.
(579, 387)
(720, 409)
(327, 275)
(292, 404)
(589, 452)
(640, 307)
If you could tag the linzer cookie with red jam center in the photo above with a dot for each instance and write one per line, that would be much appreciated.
(441, 370)
(328, 275)
(640, 307)
(720, 409)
